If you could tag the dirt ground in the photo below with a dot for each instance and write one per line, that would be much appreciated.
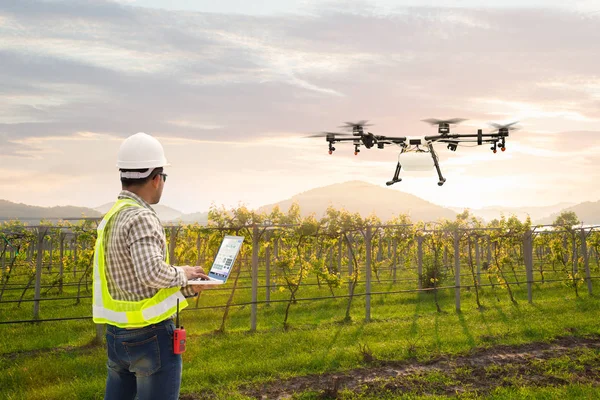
(478, 372)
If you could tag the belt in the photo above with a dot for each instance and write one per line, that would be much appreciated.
(170, 319)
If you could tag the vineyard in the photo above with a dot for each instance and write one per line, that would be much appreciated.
(289, 262)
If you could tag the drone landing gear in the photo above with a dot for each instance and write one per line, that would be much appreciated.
(436, 163)
(395, 179)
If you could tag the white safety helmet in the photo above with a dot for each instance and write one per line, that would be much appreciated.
(141, 151)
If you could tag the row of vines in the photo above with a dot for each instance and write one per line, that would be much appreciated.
(288, 257)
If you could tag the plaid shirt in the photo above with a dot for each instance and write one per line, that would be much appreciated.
(135, 251)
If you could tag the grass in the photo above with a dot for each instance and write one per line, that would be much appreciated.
(55, 360)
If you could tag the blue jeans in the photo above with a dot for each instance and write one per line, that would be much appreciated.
(141, 361)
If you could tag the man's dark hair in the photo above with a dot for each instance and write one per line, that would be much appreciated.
(128, 182)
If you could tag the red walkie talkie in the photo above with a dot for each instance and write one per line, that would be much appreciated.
(178, 335)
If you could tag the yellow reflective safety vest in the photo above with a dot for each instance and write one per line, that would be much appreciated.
(128, 314)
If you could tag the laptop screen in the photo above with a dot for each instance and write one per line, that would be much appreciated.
(225, 258)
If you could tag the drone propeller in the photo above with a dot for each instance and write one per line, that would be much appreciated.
(452, 121)
(502, 130)
(350, 125)
(444, 124)
(328, 135)
(510, 126)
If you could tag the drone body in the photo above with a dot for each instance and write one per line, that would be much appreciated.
(359, 137)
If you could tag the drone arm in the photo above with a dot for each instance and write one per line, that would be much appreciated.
(457, 136)
(397, 140)
(467, 141)
(334, 140)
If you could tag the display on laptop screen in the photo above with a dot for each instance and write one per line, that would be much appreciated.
(226, 256)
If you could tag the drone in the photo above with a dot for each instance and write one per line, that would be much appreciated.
(359, 137)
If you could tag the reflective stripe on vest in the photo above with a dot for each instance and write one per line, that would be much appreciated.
(128, 314)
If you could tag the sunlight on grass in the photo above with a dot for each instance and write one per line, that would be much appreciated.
(55, 359)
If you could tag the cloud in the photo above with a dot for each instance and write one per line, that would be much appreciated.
(11, 148)
(221, 87)
(57, 9)
(247, 74)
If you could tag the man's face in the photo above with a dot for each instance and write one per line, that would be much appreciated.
(158, 184)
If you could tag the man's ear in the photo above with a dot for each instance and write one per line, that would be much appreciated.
(156, 181)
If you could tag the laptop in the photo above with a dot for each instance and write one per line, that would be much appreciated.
(223, 262)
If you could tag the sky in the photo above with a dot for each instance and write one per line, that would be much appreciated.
(231, 89)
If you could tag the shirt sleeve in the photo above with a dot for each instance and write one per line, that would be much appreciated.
(146, 242)
(188, 291)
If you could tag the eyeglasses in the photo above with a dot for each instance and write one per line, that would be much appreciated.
(164, 176)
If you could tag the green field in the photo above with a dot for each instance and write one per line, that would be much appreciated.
(59, 360)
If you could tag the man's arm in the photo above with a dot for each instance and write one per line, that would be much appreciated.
(146, 244)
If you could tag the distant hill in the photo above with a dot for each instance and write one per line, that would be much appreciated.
(588, 213)
(366, 199)
(33, 214)
(199, 217)
(354, 196)
(165, 213)
(495, 212)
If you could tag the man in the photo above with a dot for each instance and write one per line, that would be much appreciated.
(136, 290)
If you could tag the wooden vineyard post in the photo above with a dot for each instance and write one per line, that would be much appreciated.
(528, 257)
(457, 270)
(61, 264)
(395, 265)
(254, 277)
(420, 261)
(268, 273)
(38, 273)
(368, 274)
(478, 261)
(586, 261)
(172, 245)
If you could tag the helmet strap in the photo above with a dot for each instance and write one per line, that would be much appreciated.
(136, 174)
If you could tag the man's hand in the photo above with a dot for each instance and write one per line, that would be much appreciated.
(199, 288)
(194, 272)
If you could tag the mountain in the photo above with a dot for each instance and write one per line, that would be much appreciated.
(495, 212)
(199, 217)
(366, 199)
(33, 214)
(588, 213)
(165, 213)
(354, 196)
